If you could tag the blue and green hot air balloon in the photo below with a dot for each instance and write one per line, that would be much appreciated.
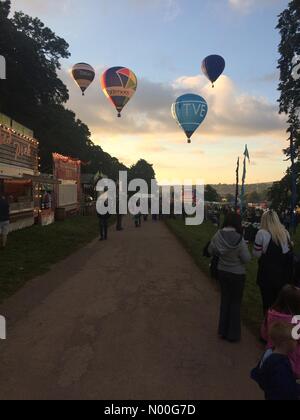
(190, 111)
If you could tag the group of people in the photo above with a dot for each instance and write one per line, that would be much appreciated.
(279, 369)
(104, 223)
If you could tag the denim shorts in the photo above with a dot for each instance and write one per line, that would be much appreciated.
(4, 228)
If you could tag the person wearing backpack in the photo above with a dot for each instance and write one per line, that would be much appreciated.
(273, 247)
(233, 255)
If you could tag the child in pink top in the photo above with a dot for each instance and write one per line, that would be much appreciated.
(285, 309)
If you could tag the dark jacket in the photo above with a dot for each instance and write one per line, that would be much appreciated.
(4, 210)
(275, 376)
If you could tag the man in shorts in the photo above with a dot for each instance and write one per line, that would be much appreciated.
(4, 221)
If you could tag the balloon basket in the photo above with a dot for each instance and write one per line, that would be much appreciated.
(189, 141)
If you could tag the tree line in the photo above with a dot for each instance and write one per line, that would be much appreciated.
(34, 96)
(289, 102)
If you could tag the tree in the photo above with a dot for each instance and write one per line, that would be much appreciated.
(32, 53)
(289, 28)
(142, 170)
(280, 193)
(289, 102)
(253, 197)
(211, 194)
(4, 10)
(35, 96)
(230, 198)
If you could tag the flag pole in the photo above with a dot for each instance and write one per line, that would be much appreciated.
(246, 156)
(237, 190)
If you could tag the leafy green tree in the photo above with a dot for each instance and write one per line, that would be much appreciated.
(32, 53)
(229, 198)
(34, 95)
(289, 87)
(280, 193)
(211, 195)
(289, 102)
(142, 170)
(253, 197)
(289, 28)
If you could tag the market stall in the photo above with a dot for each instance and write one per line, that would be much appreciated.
(68, 192)
(19, 162)
(43, 187)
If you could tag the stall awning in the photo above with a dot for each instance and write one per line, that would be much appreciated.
(42, 179)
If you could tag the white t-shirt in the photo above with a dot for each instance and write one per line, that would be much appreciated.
(262, 242)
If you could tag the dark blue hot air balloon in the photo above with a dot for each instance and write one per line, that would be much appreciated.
(190, 111)
(213, 66)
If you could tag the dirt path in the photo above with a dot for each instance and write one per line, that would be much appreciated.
(132, 318)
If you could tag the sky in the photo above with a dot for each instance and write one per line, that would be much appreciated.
(164, 43)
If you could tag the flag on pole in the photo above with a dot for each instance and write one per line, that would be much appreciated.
(246, 153)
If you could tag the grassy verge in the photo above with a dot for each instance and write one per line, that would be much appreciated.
(32, 251)
(194, 239)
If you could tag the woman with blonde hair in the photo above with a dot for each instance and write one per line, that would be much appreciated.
(273, 247)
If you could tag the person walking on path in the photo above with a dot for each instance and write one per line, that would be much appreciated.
(273, 247)
(103, 224)
(229, 245)
(103, 219)
(4, 221)
(138, 220)
(119, 216)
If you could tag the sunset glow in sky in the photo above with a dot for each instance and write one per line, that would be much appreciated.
(164, 43)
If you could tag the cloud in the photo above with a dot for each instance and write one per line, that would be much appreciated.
(147, 129)
(269, 78)
(36, 7)
(170, 8)
(231, 112)
(247, 6)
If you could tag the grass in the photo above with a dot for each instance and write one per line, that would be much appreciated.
(31, 252)
(194, 239)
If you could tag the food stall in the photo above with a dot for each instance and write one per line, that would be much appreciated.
(43, 186)
(19, 163)
(67, 195)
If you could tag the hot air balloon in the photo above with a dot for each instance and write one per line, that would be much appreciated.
(213, 66)
(190, 111)
(84, 75)
(119, 84)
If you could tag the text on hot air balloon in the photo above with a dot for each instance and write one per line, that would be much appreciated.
(199, 109)
(120, 92)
